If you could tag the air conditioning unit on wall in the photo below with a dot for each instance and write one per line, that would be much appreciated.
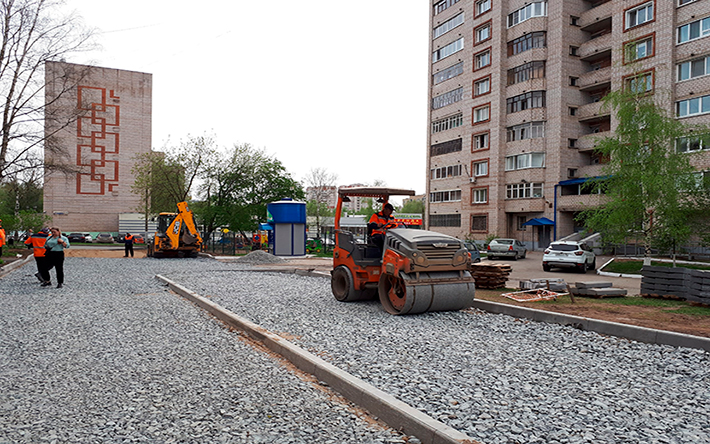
(473, 179)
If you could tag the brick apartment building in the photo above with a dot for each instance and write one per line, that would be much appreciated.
(112, 112)
(514, 94)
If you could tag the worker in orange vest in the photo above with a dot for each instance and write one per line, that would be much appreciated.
(2, 237)
(36, 242)
(128, 244)
(378, 225)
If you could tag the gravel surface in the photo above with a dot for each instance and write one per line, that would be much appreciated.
(496, 378)
(113, 357)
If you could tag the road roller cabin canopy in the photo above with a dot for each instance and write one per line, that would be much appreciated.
(374, 192)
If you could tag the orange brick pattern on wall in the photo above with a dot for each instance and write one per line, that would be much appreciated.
(98, 148)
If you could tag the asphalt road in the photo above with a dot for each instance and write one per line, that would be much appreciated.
(531, 268)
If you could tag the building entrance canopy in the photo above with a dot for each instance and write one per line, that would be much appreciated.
(539, 221)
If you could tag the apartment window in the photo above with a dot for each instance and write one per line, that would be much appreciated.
(448, 73)
(444, 220)
(483, 6)
(639, 15)
(573, 81)
(445, 196)
(528, 41)
(481, 114)
(447, 98)
(482, 86)
(639, 49)
(695, 143)
(447, 123)
(480, 168)
(571, 143)
(531, 130)
(574, 51)
(641, 83)
(447, 147)
(482, 59)
(532, 99)
(480, 141)
(574, 21)
(451, 48)
(572, 111)
(520, 223)
(482, 33)
(694, 68)
(446, 171)
(448, 25)
(527, 71)
(523, 190)
(693, 107)
(444, 5)
(479, 195)
(694, 30)
(535, 9)
(684, 2)
(525, 161)
(479, 222)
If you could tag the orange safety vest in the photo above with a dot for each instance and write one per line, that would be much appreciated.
(2, 237)
(37, 241)
(379, 218)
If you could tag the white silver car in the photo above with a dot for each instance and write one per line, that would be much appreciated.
(567, 254)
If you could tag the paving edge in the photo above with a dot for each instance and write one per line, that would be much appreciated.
(13, 265)
(633, 332)
(395, 413)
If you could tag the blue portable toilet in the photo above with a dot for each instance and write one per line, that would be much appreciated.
(288, 218)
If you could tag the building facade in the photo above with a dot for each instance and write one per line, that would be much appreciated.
(97, 120)
(515, 89)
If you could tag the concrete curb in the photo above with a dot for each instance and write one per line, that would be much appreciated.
(632, 332)
(16, 264)
(393, 412)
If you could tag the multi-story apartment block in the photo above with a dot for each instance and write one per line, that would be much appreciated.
(514, 95)
(111, 125)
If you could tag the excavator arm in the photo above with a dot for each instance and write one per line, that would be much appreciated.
(182, 230)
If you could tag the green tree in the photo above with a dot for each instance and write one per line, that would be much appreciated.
(162, 179)
(321, 187)
(237, 189)
(649, 187)
(413, 206)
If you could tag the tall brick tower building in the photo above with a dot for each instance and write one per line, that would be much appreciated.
(95, 126)
(514, 95)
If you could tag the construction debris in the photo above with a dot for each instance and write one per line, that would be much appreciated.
(533, 295)
(597, 290)
(490, 276)
(554, 284)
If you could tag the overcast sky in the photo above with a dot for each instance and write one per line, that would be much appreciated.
(340, 85)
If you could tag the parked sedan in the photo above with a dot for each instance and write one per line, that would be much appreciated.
(88, 237)
(473, 250)
(506, 248)
(76, 237)
(568, 254)
(138, 239)
(104, 238)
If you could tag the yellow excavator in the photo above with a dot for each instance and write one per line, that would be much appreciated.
(177, 235)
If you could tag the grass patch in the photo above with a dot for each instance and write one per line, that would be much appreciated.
(692, 311)
(634, 267)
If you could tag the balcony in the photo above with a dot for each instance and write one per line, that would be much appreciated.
(592, 111)
(597, 48)
(597, 18)
(579, 202)
(589, 141)
(600, 78)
